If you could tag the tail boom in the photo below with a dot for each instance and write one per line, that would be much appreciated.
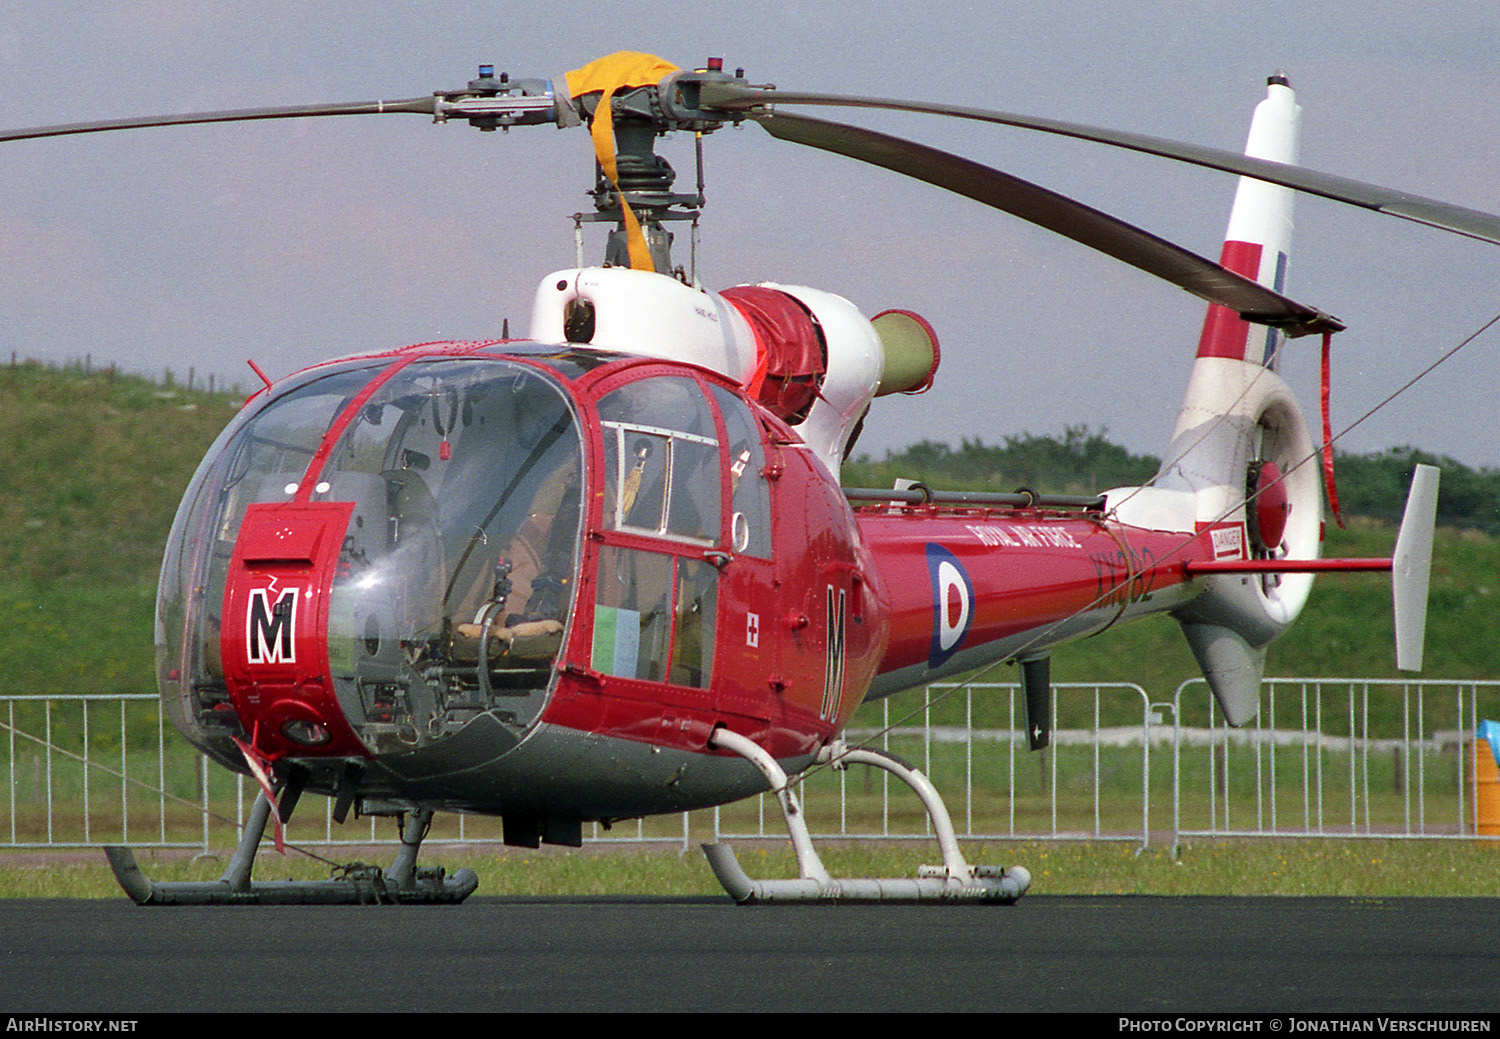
(969, 587)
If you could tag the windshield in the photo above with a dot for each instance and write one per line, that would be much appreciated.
(464, 479)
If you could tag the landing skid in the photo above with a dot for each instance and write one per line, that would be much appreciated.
(404, 883)
(954, 881)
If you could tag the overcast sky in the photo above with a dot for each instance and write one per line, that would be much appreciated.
(295, 241)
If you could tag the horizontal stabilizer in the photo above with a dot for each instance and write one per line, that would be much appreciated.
(1411, 567)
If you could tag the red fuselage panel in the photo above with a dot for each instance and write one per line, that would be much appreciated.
(961, 581)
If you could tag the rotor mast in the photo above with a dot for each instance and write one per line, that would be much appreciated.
(638, 115)
(643, 179)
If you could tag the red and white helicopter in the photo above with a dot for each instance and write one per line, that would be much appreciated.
(607, 570)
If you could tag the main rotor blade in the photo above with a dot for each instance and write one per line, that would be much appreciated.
(1110, 235)
(418, 105)
(1448, 217)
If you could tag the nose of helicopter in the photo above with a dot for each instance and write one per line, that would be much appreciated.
(276, 660)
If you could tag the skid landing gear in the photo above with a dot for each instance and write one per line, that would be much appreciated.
(955, 880)
(404, 883)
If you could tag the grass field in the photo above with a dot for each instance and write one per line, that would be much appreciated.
(1260, 867)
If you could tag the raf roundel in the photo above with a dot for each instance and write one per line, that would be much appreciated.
(952, 603)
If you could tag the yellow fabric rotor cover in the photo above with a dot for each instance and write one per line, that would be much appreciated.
(622, 70)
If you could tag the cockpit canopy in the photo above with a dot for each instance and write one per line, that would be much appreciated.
(356, 544)
(462, 478)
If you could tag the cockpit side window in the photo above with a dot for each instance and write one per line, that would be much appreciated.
(656, 607)
(654, 617)
(661, 451)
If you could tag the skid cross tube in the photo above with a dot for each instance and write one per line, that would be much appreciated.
(954, 880)
(404, 883)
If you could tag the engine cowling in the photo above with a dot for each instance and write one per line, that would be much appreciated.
(808, 356)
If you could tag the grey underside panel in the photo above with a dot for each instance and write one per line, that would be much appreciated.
(1035, 640)
(564, 772)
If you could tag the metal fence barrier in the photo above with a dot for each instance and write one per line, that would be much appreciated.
(1334, 757)
(1327, 757)
(1093, 783)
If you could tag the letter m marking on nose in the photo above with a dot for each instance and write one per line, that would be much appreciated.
(269, 626)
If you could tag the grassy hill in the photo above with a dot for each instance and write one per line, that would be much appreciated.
(94, 464)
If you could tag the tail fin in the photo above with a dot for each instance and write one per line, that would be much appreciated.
(1240, 436)
(1259, 237)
